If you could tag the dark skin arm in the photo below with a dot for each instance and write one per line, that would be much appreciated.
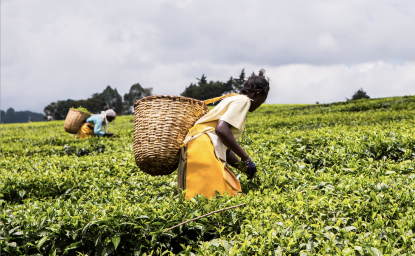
(224, 133)
(232, 159)
(109, 134)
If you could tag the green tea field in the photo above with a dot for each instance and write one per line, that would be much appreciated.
(333, 179)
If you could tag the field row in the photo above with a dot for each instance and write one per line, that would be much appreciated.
(333, 179)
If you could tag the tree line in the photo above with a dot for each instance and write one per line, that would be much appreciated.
(203, 90)
(11, 116)
(110, 97)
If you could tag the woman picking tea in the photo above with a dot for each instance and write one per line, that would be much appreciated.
(212, 143)
(94, 123)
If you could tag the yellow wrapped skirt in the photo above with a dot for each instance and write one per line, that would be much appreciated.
(86, 131)
(201, 172)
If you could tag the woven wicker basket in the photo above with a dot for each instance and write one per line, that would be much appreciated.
(74, 120)
(161, 123)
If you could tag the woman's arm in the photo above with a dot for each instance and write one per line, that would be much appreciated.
(98, 127)
(224, 133)
(232, 159)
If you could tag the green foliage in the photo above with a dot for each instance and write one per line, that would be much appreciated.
(83, 110)
(360, 94)
(204, 90)
(112, 98)
(58, 110)
(333, 179)
(136, 92)
(11, 116)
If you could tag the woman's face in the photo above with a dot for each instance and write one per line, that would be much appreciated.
(110, 119)
(258, 98)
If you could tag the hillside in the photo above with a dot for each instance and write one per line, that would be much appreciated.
(333, 179)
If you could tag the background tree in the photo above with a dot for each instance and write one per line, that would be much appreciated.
(3, 116)
(235, 85)
(60, 109)
(112, 98)
(136, 92)
(239, 82)
(94, 105)
(360, 94)
(204, 89)
(11, 116)
(10, 112)
(228, 86)
(50, 109)
(201, 90)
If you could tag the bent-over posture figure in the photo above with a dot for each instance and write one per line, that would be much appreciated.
(93, 125)
(211, 143)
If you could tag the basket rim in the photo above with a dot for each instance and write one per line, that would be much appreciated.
(152, 97)
(79, 111)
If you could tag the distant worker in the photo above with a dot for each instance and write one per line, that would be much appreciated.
(94, 123)
(105, 106)
(211, 144)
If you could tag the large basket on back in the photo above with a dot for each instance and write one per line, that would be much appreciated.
(74, 120)
(161, 123)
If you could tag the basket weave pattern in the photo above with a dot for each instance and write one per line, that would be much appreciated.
(161, 123)
(74, 120)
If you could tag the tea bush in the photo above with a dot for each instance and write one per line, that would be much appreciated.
(333, 179)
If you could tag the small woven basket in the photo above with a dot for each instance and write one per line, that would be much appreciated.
(161, 123)
(74, 120)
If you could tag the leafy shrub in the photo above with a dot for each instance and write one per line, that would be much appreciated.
(82, 109)
(331, 180)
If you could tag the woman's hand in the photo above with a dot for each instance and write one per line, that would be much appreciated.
(225, 135)
(108, 134)
(250, 168)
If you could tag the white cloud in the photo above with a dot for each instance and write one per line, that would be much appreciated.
(54, 50)
(327, 43)
(325, 84)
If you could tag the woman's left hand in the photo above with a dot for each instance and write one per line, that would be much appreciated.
(250, 168)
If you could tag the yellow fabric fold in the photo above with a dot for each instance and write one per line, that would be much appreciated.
(198, 130)
(205, 173)
(86, 131)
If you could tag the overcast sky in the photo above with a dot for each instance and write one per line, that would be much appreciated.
(312, 50)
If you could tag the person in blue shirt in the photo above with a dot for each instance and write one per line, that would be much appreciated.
(94, 123)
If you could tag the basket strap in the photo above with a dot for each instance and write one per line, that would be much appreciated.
(219, 98)
(196, 131)
(190, 138)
